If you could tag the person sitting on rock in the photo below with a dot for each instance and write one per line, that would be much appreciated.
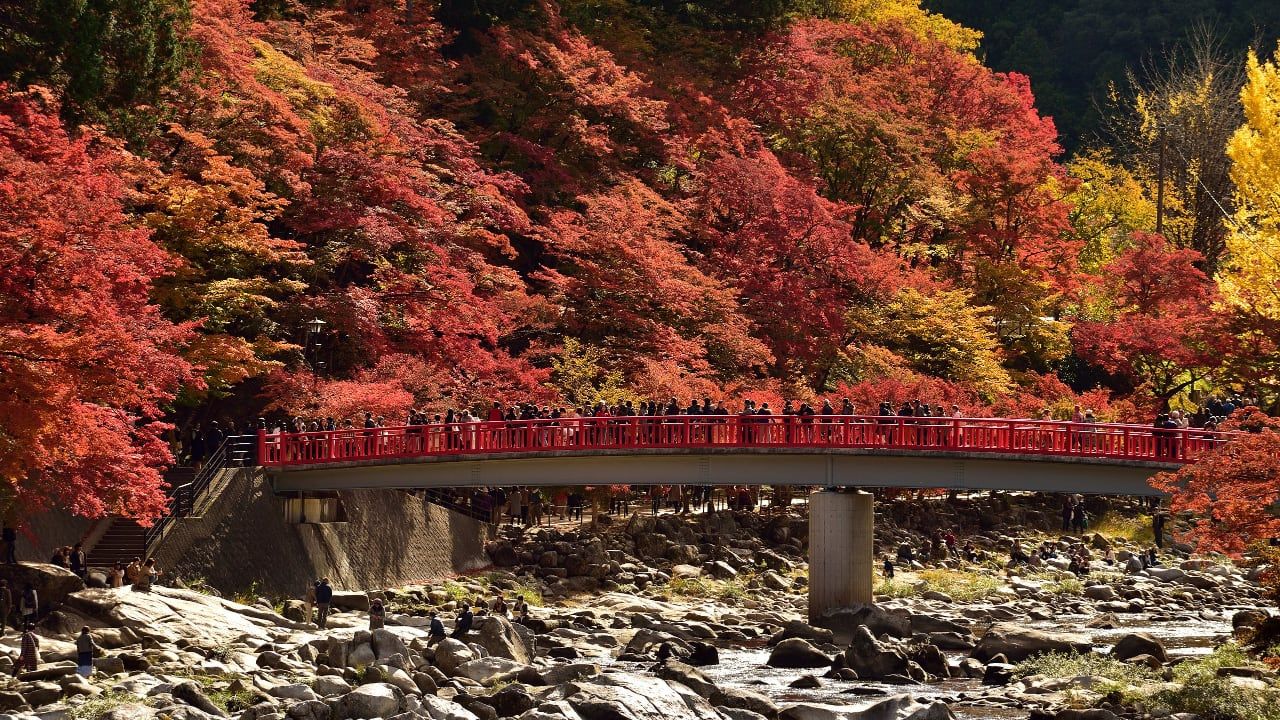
(377, 615)
(499, 604)
(463, 624)
(146, 576)
(132, 571)
(1016, 555)
(115, 576)
(1153, 557)
(435, 633)
(521, 610)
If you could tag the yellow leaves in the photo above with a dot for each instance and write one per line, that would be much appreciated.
(333, 116)
(1108, 205)
(1250, 279)
(941, 334)
(905, 12)
(227, 360)
(580, 377)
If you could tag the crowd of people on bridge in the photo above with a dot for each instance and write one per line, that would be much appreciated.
(794, 423)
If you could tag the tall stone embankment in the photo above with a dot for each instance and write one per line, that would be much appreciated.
(242, 540)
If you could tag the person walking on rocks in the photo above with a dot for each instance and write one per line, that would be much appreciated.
(29, 656)
(464, 622)
(309, 602)
(28, 606)
(888, 568)
(1157, 526)
(85, 650)
(377, 615)
(324, 597)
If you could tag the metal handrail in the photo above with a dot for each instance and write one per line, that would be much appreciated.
(943, 435)
(234, 450)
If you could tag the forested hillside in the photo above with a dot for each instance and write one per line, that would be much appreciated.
(1076, 50)
(566, 202)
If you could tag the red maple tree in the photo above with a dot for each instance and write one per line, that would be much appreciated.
(86, 361)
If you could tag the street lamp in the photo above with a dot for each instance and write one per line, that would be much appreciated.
(316, 326)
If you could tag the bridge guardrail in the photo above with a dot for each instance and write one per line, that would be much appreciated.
(923, 434)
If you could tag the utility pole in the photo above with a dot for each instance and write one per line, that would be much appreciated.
(1160, 186)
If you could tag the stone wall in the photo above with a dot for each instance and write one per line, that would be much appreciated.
(391, 538)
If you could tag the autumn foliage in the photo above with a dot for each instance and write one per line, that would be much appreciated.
(561, 202)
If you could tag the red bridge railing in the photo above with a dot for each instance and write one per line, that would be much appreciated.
(919, 434)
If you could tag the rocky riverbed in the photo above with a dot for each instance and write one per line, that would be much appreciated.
(664, 618)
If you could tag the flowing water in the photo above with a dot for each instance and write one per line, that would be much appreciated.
(745, 667)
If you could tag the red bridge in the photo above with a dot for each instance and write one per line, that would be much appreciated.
(768, 450)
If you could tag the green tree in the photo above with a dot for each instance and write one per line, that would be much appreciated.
(110, 58)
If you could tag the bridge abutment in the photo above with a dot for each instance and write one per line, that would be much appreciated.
(841, 550)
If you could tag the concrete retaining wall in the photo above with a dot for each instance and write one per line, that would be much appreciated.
(391, 538)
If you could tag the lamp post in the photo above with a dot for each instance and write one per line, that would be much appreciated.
(313, 328)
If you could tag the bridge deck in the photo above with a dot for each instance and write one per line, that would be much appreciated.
(829, 450)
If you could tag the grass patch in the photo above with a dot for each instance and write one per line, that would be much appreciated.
(960, 585)
(94, 708)
(1066, 586)
(456, 590)
(1134, 529)
(895, 588)
(706, 588)
(1199, 690)
(1115, 674)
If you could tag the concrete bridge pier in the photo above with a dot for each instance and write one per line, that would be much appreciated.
(841, 549)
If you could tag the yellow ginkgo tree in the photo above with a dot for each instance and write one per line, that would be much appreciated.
(1251, 278)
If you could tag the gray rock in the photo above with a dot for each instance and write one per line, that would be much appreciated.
(797, 653)
(1018, 643)
(52, 583)
(744, 700)
(1100, 592)
(349, 600)
(804, 631)
(1135, 644)
(296, 691)
(901, 707)
(451, 653)
(512, 700)
(489, 670)
(309, 710)
(440, 709)
(129, 711)
(499, 637)
(330, 686)
(377, 700)
(635, 697)
(191, 694)
(41, 693)
(880, 620)
(871, 660)
(687, 675)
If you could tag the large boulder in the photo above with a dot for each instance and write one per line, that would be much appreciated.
(490, 670)
(52, 583)
(350, 600)
(1018, 643)
(687, 675)
(190, 693)
(1135, 644)
(900, 707)
(871, 660)
(881, 621)
(376, 700)
(803, 630)
(499, 637)
(625, 696)
(441, 709)
(386, 644)
(797, 653)
(452, 653)
(741, 699)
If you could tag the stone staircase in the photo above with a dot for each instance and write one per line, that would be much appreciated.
(123, 541)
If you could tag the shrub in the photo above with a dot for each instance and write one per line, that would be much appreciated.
(1199, 690)
(961, 585)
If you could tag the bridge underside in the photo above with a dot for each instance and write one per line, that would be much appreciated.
(741, 466)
